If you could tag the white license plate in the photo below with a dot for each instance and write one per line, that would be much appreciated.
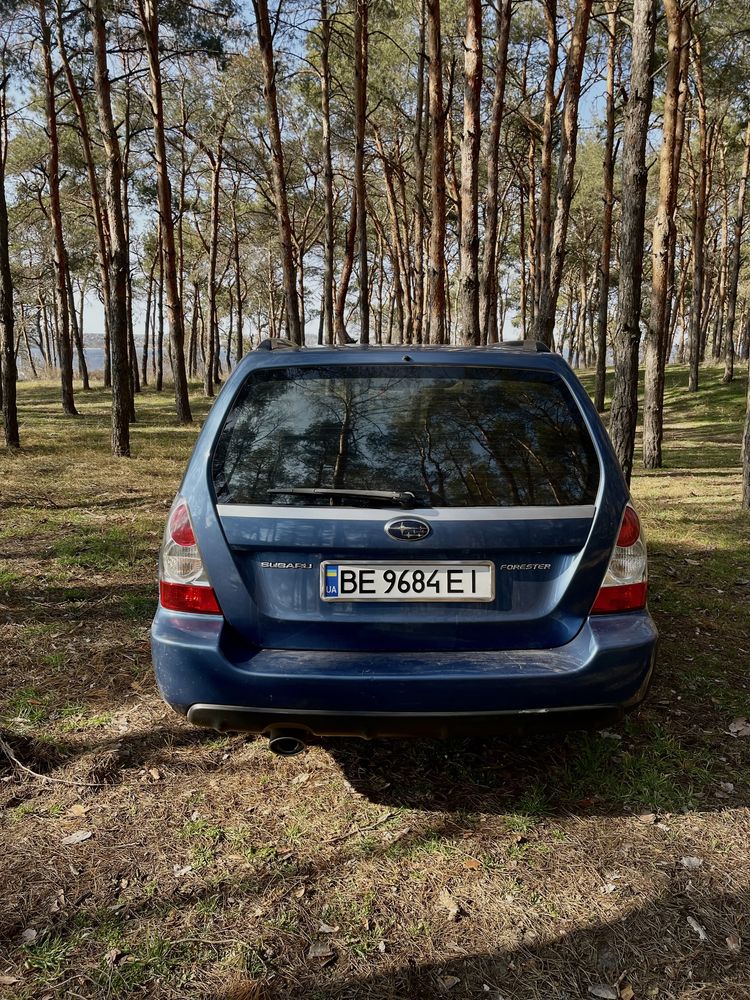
(388, 581)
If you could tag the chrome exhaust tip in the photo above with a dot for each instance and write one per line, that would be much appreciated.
(286, 742)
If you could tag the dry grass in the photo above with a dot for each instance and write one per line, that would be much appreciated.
(469, 869)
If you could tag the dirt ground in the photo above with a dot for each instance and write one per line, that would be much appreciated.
(154, 860)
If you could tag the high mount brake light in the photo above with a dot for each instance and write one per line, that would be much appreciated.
(626, 581)
(183, 582)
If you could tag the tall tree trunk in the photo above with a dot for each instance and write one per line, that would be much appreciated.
(147, 324)
(436, 287)
(488, 316)
(240, 346)
(77, 335)
(346, 273)
(543, 239)
(721, 289)
(60, 252)
(328, 228)
(675, 303)
(699, 218)
(265, 44)
(395, 250)
(8, 366)
(135, 381)
(662, 244)
(613, 8)
(216, 160)
(118, 247)
(100, 224)
(734, 273)
(550, 287)
(361, 41)
(159, 316)
(420, 156)
(193, 342)
(468, 290)
(634, 178)
(746, 451)
(148, 17)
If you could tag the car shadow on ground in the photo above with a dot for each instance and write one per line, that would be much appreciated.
(649, 763)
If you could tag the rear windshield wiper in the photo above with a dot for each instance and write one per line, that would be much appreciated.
(404, 498)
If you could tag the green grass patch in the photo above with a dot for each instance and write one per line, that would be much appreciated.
(100, 550)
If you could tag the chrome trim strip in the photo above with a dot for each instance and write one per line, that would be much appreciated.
(314, 712)
(282, 513)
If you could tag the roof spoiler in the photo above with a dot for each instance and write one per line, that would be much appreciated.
(277, 344)
(532, 346)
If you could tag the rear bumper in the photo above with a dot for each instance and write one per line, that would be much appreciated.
(204, 672)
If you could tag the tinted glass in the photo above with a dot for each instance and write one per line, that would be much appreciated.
(453, 436)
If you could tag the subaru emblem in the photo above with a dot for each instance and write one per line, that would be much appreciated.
(407, 529)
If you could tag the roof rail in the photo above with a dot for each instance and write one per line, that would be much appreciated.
(532, 346)
(277, 344)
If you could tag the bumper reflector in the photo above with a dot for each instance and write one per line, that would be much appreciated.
(194, 598)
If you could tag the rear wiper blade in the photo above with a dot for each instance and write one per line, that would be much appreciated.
(404, 498)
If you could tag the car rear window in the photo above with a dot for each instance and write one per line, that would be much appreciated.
(453, 436)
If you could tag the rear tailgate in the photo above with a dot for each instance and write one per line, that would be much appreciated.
(504, 469)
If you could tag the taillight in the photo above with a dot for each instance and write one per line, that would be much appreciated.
(626, 580)
(183, 582)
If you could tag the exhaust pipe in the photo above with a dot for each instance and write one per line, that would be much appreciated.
(286, 742)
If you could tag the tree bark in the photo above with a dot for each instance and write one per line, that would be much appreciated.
(60, 252)
(746, 451)
(147, 328)
(159, 317)
(148, 17)
(543, 238)
(216, 160)
(552, 276)
(135, 381)
(289, 271)
(77, 336)
(488, 315)
(634, 178)
(346, 273)
(468, 291)
(328, 227)
(239, 296)
(100, 225)
(734, 274)
(118, 247)
(662, 246)
(8, 366)
(613, 8)
(420, 157)
(361, 37)
(699, 218)
(436, 265)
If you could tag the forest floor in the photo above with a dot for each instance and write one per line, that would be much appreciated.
(163, 861)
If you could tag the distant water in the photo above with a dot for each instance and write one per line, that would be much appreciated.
(94, 361)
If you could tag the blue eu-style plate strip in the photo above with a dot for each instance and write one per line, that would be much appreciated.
(332, 581)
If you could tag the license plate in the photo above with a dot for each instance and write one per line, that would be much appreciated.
(387, 581)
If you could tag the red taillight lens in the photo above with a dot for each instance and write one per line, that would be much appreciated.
(183, 581)
(188, 597)
(630, 529)
(179, 528)
(625, 583)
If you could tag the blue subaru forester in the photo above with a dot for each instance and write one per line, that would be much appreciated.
(401, 541)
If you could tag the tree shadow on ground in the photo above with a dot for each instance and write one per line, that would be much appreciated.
(654, 949)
